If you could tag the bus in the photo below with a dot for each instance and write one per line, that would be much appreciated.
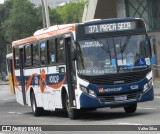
(10, 71)
(84, 66)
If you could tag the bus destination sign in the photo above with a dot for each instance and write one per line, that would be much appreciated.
(110, 27)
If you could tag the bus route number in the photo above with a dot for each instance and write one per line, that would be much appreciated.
(93, 29)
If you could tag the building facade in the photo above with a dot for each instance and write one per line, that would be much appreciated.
(149, 10)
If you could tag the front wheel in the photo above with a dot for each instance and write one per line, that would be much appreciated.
(131, 108)
(36, 110)
(72, 113)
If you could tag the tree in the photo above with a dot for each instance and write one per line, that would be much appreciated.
(4, 14)
(71, 12)
(55, 18)
(22, 22)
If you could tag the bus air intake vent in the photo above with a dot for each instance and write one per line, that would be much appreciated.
(119, 79)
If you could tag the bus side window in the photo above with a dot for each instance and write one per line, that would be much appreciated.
(35, 49)
(28, 58)
(43, 53)
(60, 50)
(16, 58)
(51, 52)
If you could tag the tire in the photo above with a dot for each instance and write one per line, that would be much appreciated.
(36, 110)
(72, 113)
(131, 108)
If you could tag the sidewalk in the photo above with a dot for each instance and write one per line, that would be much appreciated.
(4, 82)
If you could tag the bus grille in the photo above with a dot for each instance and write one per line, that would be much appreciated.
(119, 79)
(111, 98)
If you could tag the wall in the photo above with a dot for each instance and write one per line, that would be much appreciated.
(103, 9)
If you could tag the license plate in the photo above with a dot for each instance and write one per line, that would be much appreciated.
(120, 98)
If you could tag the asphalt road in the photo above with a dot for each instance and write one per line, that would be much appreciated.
(12, 113)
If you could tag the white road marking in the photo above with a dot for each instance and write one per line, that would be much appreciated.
(5, 99)
(11, 112)
(14, 113)
(157, 97)
(8, 99)
(19, 113)
(127, 123)
(147, 108)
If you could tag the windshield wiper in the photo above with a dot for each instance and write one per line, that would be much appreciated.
(107, 50)
(123, 48)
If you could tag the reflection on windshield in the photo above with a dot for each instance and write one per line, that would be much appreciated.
(105, 56)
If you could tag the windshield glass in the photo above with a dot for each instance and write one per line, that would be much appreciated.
(113, 55)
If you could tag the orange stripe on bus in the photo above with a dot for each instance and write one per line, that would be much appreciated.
(44, 35)
(30, 80)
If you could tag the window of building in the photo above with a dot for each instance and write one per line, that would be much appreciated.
(148, 10)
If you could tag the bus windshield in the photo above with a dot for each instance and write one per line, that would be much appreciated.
(113, 55)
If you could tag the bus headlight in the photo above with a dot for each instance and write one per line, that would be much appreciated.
(88, 91)
(147, 85)
(92, 93)
(83, 89)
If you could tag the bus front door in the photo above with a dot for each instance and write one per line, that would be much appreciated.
(70, 71)
(21, 62)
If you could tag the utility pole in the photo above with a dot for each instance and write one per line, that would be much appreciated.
(43, 15)
(46, 13)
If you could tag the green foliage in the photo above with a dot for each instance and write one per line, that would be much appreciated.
(54, 17)
(20, 19)
(4, 14)
(71, 12)
(22, 22)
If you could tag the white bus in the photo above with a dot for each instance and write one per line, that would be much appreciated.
(96, 64)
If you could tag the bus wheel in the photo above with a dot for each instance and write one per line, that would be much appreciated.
(36, 110)
(131, 108)
(72, 113)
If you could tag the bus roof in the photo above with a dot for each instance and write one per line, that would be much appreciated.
(45, 33)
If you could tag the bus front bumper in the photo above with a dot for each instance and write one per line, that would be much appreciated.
(87, 101)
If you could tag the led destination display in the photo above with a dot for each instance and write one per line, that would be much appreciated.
(110, 27)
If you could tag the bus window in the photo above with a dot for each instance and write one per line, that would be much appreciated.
(35, 55)
(28, 59)
(16, 58)
(60, 50)
(51, 52)
(43, 53)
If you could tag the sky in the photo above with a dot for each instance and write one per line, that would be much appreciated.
(1, 1)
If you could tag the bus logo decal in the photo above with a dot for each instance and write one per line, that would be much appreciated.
(54, 79)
